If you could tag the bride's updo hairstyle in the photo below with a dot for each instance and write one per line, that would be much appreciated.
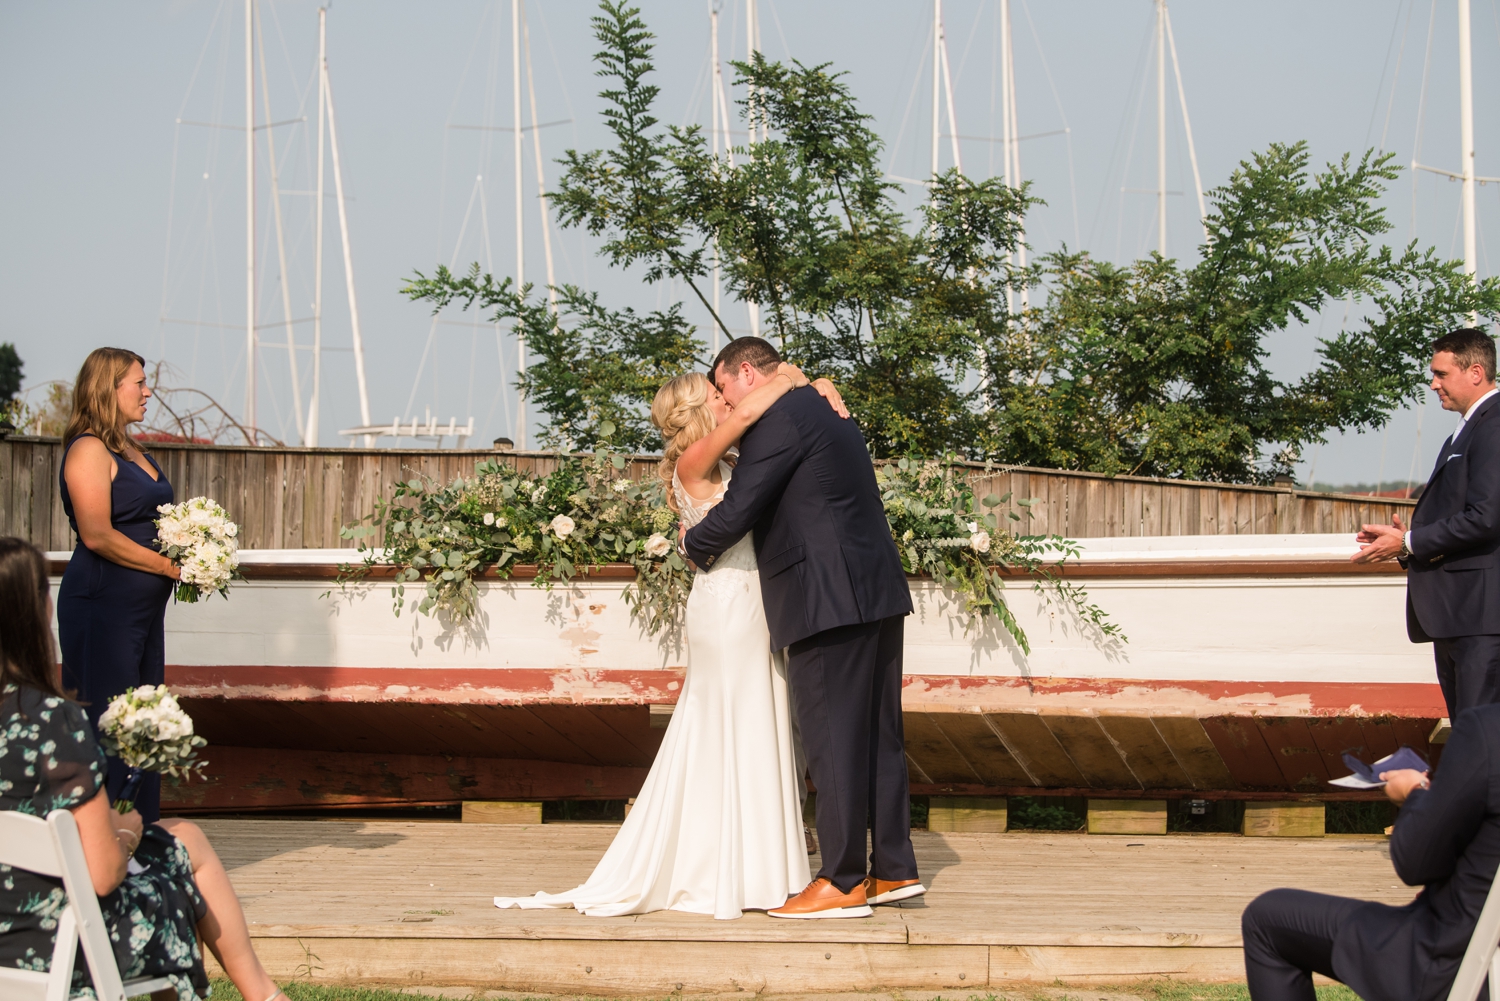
(682, 413)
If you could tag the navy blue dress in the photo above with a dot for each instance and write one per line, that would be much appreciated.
(111, 618)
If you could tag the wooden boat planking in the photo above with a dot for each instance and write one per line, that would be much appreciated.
(1253, 664)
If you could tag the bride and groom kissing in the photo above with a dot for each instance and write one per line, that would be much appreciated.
(794, 642)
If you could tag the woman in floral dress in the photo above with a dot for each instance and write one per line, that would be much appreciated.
(156, 910)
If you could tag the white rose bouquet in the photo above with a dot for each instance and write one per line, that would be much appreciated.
(198, 536)
(147, 730)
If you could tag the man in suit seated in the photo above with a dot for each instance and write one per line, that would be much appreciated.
(1447, 840)
(1450, 553)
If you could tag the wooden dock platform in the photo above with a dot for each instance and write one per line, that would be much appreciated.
(400, 903)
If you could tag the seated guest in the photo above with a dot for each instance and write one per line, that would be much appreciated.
(1446, 840)
(49, 761)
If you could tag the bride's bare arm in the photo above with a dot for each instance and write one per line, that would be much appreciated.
(701, 458)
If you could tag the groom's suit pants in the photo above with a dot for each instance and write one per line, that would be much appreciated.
(846, 684)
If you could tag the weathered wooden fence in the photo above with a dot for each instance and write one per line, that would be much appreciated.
(299, 498)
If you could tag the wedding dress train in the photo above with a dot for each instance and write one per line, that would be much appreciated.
(717, 827)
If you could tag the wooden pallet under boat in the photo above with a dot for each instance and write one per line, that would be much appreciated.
(1252, 664)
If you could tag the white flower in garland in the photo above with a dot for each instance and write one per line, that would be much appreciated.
(538, 494)
(489, 517)
(562, 526)
(657, 546)
(980, 542)
(621, 486)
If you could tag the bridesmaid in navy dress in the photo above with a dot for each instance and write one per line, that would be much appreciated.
(113, 599)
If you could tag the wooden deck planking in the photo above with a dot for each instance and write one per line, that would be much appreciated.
(388, 902)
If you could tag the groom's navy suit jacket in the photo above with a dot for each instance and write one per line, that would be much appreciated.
(1453, 575)
(805, 485)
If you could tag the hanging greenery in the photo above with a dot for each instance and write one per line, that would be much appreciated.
(588, 512)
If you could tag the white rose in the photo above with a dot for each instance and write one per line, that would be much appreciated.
(489, 517)
(657, 546)
(562, 526)
(980, 542)
(231, 530)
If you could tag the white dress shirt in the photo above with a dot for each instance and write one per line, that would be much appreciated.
(1463, 422)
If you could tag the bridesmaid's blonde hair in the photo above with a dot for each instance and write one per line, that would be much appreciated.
(682, 413)
(96, 407)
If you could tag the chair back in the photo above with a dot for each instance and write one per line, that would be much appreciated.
(53, 848)
(84, 903)
(26, 843)
(1480, 959)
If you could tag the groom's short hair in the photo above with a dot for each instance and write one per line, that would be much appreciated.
(755, 350)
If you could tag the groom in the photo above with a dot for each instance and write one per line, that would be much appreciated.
(835, 597)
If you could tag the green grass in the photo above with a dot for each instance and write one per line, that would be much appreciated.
(1156, 990)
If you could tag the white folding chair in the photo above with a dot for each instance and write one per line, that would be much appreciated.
(51, 847)
(1480, 959)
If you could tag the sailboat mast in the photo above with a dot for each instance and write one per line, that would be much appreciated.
(1466, 133)
(286, 287)
(1161, 126)
(937, 80)
(515, 52)
(752, 32)
(313, 403)
(250, 358)
(1012, 132)
(714, 99)
(338, 187)
(541, 177)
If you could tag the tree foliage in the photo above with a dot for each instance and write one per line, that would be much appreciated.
(11, 369)
(1156, 367)
(1161, 369)
(592, 367)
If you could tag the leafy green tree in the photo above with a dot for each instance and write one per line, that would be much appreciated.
(1156, 367)
(1161, 369)
(11, 368)
(595, 370)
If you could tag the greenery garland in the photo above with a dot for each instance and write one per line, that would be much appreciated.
(588, 512)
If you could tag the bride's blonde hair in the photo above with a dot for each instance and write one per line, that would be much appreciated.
(682, 413)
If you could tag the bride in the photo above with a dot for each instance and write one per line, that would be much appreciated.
(717, 827)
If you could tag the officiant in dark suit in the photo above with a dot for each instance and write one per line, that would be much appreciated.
(1452, 550)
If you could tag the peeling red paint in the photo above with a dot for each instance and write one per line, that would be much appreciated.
(934, 693)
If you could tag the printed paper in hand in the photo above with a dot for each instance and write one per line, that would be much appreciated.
(1368, 776)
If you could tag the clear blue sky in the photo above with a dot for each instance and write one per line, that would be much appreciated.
(115, 217)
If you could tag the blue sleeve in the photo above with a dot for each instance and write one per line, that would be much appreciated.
(1437, 824)
(769, 453)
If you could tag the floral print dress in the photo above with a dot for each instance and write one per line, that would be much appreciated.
(49, 761)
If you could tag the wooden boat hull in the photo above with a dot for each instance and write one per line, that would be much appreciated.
(1243, 677)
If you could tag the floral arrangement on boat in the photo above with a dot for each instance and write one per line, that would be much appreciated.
(587, 512)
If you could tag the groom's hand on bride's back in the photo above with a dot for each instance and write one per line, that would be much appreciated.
(682, 547)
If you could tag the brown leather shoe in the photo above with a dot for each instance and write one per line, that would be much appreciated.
(888, 891)
(822, 899)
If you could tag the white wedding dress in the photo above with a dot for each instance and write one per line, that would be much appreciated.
(717, 828)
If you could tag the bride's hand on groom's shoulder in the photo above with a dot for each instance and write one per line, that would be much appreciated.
(828, 392)
(793, 373)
